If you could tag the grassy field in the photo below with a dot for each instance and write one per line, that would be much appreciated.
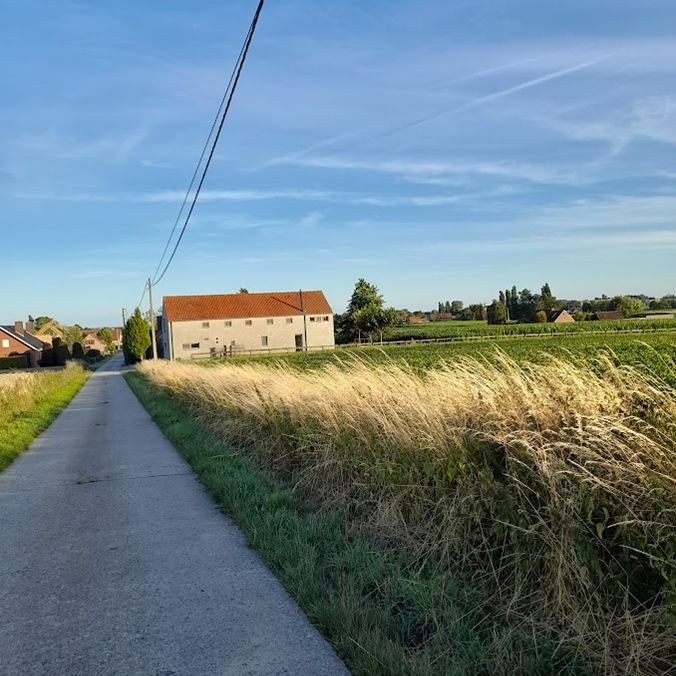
(459, 329)
(29, 402)
(466, 515)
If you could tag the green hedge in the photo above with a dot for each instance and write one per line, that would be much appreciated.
(18, 361)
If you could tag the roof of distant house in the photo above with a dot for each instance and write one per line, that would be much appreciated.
(609, 314)
(553, 315)
(244, 305)
(26, 338)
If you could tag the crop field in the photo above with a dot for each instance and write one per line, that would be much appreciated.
(654, 352)
(460, 329)
(530, 490)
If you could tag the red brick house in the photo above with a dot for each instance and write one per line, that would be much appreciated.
(17, 340)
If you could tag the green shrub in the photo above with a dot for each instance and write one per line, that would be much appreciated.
(92, 356)
(540, 317)
(78, 352)
(18, 361)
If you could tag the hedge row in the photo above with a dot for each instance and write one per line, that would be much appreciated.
(18, 361)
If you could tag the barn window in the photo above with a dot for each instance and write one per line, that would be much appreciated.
(205, 325)
(264, 341)
(194, 346)
(271, 321)
(289, 320)
(228, 323)
(247, 322)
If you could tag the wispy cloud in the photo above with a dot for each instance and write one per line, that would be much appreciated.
(450, 173)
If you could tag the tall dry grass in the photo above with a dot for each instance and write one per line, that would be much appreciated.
(19, 392)
(553, 486)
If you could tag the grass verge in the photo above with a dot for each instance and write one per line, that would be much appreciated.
(30, 404)
(383, 610)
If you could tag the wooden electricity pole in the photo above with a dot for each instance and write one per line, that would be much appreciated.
(152, 318)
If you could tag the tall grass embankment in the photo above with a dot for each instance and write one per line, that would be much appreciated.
(29, 402)
(550, 487)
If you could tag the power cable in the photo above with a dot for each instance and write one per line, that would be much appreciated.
(199, 163)
(232, 86)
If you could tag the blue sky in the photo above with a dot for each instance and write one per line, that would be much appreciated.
(439, 149)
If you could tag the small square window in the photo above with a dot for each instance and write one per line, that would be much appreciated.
(205, 325)
(264, 341)
(313, 319)
(186, 346)
(326, 319)
(270, 321)
(228, 323)
(289, 320)
(5, 342)
(194, 346)
(247, 322)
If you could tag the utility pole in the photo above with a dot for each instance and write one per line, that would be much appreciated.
(302, 309)
(152, 318)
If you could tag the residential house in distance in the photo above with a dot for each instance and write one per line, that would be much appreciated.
(233, 323)
(15, 339)
(441, 316)
(91, 341)
(559, 317)
(52, 329)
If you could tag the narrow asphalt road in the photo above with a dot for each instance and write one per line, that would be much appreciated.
(114, 561)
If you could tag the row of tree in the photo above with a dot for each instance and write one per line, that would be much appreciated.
(521, 306)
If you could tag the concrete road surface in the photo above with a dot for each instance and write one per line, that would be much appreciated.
(114, 561)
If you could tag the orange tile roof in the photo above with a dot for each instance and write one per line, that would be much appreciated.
(244, 305)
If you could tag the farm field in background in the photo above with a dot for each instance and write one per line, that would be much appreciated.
(653, 351)
(460, 329)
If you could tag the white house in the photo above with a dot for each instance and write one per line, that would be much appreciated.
(235, 323)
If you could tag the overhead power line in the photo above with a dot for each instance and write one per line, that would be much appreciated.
(223, 111)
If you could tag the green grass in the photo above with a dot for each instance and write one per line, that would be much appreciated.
(383, 613)
(28, 413)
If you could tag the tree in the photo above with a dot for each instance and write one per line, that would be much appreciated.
(497, 313)
(547, 299)
(73, 334)
(456, 307)
(106, 335)
(136, 338)
(78, 352)
(627, 305)
(243, 290)
(365, 316)
(540, 317)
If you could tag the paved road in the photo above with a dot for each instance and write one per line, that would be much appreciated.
(114, 561)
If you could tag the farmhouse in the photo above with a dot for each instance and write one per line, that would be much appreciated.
(559, 317)
(226, 324)
(17, 340)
